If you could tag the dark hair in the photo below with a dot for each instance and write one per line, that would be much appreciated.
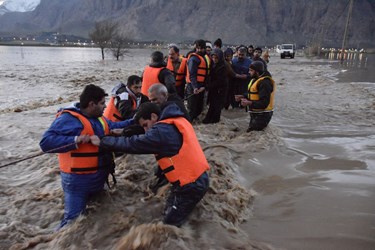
(242, 50)
(145, 110)
(157, 57)
(133, 79)
(218, 43)
(91, 93)
(259, 49)
(251, 46)
(175, 49)
(258, 66)
(228, 51)
(241, 46)
(200, 43)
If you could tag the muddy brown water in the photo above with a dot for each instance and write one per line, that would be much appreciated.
(306, 182)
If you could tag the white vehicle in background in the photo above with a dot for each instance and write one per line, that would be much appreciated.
(286, 50)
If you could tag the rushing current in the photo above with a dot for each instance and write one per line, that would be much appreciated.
(306, 182)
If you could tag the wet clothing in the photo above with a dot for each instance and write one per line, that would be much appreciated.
(60, 138)
(196, 78)
(259, 121)
(260, 110)
(217, 88)
(84, 159)
(174, 167)
(158, 73)
(182, 200)
(254, 94)
(165, 140)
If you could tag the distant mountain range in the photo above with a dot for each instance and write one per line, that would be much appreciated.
(8, 6)
(259, 22)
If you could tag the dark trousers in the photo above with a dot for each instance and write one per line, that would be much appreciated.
(181, 91)
(216, 99)
(182, 200)
(258, 121)
(229, 98)
(194, 102)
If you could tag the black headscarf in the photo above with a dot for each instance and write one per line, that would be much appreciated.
(219, 53)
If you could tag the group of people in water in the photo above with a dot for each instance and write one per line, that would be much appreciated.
(147, 115)
(206, 76)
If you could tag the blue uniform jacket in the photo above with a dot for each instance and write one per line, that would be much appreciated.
(60, 137)
(162, 139)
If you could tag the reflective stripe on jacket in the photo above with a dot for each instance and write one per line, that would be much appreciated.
(202, 71)
(181, 72)
(190, 162)
(150, 77)
(83, 160)
(253, 93)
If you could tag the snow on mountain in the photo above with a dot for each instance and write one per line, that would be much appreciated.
(18, 5)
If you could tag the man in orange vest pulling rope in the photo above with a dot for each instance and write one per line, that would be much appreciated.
(171, 138)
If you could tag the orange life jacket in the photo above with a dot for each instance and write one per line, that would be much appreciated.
(84, 159)
(203, 69)
(181, 72)
(253, 93)
(150, 77)
(190, 162)
(111, 112)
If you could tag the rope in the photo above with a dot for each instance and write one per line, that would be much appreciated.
(188, 97)
(36, 155)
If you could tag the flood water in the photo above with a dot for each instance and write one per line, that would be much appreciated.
(306, 182)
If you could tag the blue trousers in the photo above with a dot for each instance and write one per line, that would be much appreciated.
(182, 200)
(78, 189)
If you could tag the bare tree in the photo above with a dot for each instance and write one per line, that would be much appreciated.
(119, 45)
(103, 33)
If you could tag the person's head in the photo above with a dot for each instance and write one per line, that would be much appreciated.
(158, 93)
(217, 55)
(92, 100)
(147, 115)
(257, 52)
(241, 54)
(134, 84)
(200, 46)
(208, 47)
(218, 43)
(228, 55)
(157, 57)
(240, 46)
(256, 69)
(250, 49)
(174, 53)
